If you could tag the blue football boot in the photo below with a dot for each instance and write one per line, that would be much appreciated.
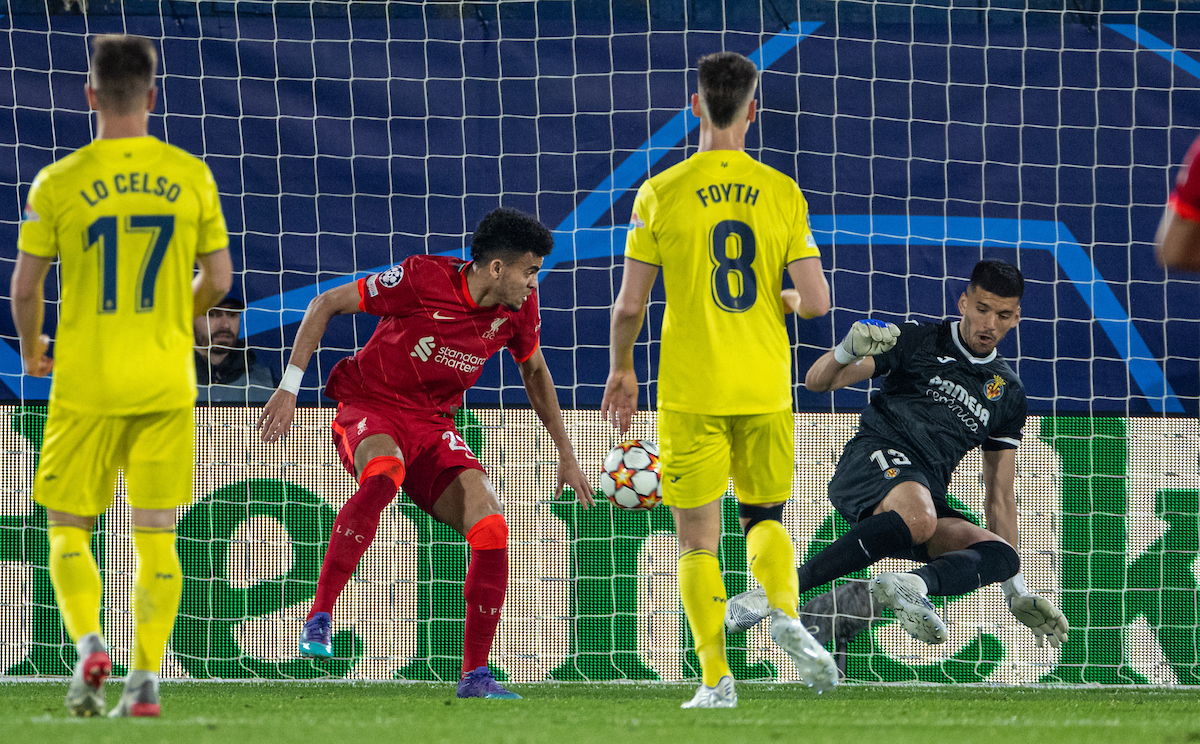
(316, 639)
(479, 683)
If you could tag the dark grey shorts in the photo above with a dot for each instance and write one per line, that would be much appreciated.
(869, 469)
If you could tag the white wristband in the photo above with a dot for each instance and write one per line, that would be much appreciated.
(291, 379)
(842, 356)
(1015, 586)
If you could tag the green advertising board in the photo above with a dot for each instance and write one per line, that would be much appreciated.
(1108, 514)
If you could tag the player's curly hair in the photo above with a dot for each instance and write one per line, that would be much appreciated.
(998, 277)
(507, 233)
(122, 71)
(727, 83)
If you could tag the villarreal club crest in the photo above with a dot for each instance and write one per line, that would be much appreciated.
(994, 389)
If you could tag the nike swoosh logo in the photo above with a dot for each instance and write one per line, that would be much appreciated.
(438, 316)
(676, 478)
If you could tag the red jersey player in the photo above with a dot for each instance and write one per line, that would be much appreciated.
(441, 319)
(1178, 239)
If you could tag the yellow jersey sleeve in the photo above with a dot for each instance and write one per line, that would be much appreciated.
(801, 244)
(38, 236)
(212, 234)
(641, 242)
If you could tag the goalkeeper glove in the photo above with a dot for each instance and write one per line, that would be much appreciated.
(1044, 619)
(866, 338)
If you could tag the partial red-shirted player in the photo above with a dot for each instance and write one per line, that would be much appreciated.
(1178, 239)
(441, 319)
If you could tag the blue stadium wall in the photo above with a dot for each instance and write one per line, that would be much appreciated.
(1063, 161)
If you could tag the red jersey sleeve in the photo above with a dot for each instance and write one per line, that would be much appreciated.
(1185, 200)
(527, 329)
(391, 292)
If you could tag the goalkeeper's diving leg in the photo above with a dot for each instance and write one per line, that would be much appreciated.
(904, 519)
(961, 557)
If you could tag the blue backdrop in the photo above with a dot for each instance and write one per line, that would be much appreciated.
(345, 142)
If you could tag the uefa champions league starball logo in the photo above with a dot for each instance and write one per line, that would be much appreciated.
(392, 276)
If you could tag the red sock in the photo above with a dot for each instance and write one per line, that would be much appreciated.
(354, 529)
(487, 578)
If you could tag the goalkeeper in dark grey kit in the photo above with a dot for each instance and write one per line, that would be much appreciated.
(945, 391)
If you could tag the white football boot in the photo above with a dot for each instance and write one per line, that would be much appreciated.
(745, 610)
(907, 596)
(814, 665)
(140, 698)
(85, 693)
(723, 695)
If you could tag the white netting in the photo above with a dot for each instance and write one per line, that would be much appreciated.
(344, 137)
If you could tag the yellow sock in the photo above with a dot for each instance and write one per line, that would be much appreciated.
(76, 579)
(772, 561)
(703, 595)
(156, 590)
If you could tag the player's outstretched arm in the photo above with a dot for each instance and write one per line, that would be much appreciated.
(212, 281)
(277, 415)
(1178, 242)
(628, 313)
(539, 385)
(1000, 493)
(28, 312)
(852, 360)
(810, 298)
(1000, 507)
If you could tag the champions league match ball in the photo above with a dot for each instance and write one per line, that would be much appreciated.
(632, 477)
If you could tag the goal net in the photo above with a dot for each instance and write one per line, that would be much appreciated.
(926, 136)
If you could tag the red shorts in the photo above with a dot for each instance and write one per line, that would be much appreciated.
(434, 452)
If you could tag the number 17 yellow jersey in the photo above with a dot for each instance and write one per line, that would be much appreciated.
(723, 227)
(126, 217)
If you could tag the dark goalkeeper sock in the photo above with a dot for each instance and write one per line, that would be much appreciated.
(965, 571)
(872, 539)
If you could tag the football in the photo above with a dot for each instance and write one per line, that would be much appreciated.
(632, 477)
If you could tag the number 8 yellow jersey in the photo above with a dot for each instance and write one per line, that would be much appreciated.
(126, 217)
(723, 227)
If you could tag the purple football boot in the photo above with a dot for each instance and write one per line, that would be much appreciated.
(316, 639)
(479, 683)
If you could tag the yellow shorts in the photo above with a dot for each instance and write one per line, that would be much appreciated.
(701, 452)
(81, 453)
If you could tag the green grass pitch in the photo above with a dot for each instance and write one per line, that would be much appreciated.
(237, 713)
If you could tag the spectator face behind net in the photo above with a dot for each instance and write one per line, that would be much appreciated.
(217, 333)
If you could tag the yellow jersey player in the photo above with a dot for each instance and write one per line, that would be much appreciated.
(128, 217)
(723, 228)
